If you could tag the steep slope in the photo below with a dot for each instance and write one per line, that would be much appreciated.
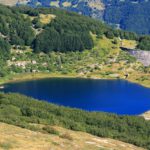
(42, 117)
(131, 15)
(93, 8)
(13, 137)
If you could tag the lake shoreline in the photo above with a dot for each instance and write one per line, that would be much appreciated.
(38, 76)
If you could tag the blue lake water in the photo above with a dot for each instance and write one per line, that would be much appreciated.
(116, 96)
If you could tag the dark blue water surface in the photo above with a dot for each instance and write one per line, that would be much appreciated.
(117, 96)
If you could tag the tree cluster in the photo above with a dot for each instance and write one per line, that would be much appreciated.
(144, 43)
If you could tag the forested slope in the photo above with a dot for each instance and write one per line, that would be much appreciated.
(64, 31)
(130, 15)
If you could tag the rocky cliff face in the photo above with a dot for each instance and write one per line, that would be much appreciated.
(142, 56)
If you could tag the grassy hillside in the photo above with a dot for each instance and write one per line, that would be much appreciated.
(104, 61)
(13, 137)
(24, 112)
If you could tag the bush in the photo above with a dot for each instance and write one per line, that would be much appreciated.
(144, 43)
(50, 130)
(66, 136)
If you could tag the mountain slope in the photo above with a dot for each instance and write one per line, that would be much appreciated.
(49, 40)
(13, 137)
(54, 41)
(131, 15)
(93, 8)
(41, 117)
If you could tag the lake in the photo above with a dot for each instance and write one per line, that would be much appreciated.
(115, 96)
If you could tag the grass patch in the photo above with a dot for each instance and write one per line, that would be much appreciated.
(50, 130)
(66, 136)
(46, 18)
(131, 44)
(6, 145)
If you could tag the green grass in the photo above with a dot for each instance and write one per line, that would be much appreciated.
(6, 145)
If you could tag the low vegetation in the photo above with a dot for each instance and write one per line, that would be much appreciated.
(50, 130)
(25, 112)
(67, 136)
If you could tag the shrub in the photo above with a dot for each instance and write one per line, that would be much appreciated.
(50, 130)
(66, 136)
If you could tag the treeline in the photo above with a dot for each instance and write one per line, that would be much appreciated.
(23, 111)
(67, 41)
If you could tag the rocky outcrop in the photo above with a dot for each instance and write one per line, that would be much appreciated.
(142, 56)
(146, 115)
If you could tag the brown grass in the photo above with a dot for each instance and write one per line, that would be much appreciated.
(16, 138)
